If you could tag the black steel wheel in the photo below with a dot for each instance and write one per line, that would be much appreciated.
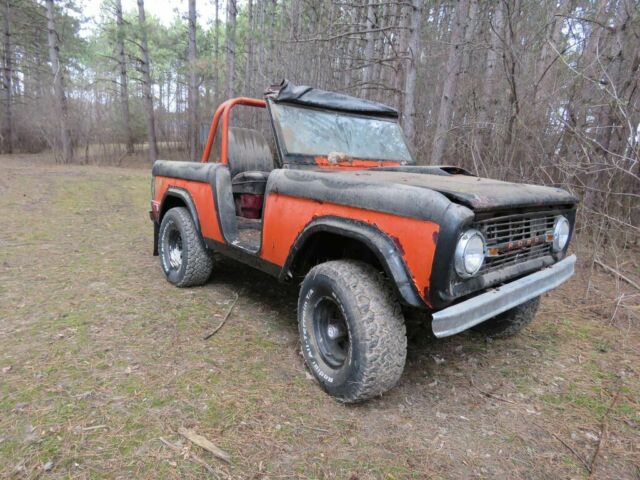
(331, 331)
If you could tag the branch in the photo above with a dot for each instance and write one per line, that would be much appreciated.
(347, 34)
(224, 320)
(588, 20)
(616, 272)
(603, 433)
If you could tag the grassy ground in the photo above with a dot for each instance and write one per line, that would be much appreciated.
(101, 358)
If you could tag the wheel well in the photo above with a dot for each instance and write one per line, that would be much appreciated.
(171, 201)
(324, 246)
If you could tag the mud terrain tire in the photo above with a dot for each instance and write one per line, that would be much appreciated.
(348, 305)
(511, 322)
(183, 255)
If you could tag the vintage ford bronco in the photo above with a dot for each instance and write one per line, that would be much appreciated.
(334, 200)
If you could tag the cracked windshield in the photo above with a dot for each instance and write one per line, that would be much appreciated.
(315, 132)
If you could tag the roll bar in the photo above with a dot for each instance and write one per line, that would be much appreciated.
(223, 111)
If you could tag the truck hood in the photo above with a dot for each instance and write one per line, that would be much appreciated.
(479, 194)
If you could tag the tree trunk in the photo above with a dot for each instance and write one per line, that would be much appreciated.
(450, 83)
(230, 48)
(367, 73)
(489, 101)
(193, 84)
(58, 86)
(248, 80)
(588, 61)
(124, 86)
(146, 84)
(511, 60)
(262, 15)
(295, 19)
(403, 14)
(611, 131)
(7, 123)
(547, 54)
(409, 104)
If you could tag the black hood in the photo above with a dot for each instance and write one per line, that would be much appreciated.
(479, 194)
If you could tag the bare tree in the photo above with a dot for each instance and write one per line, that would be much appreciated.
(409, 104)
(370, 46)
(216, 54)
(124, 80)
(58, 85)
(450, 82)
(248, 76)
(7, 70)
(490, 80)
(146, 83)
(193, 83)
(230, 47)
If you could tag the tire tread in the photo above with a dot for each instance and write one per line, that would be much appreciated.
(383, 323)
(199, 263)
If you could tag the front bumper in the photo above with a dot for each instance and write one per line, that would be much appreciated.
(464, 315)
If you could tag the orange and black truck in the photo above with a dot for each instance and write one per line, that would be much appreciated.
(331, 198)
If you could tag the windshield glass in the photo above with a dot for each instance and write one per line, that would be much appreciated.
(314, 132)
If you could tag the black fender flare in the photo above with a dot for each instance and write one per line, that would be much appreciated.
(185, 196)
(383, 247)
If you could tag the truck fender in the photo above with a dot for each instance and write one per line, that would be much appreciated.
(382, 246)
(185, 196)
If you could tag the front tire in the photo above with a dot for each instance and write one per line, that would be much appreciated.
(183, 255)
(352, 330)
(511, 322)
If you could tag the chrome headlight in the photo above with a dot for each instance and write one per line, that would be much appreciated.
(469, 255)
(561, 229)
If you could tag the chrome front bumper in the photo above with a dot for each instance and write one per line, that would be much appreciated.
(464, 315)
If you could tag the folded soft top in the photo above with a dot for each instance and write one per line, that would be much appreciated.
(287, 92)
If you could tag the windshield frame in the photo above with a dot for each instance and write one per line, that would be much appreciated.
(310, 159)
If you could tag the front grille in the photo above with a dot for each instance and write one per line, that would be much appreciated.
(517, 238)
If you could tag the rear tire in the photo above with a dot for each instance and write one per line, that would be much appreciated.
(511, 322)
(185, 260)
(352, 330)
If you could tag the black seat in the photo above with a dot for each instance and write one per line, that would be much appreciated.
(250, 182)
(250, 160)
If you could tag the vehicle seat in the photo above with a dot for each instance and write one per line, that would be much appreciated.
(248, 152)
(250, 162)
(253, 182)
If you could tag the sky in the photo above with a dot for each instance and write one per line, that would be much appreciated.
(165, 10)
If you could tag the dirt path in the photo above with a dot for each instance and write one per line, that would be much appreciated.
(101, 358)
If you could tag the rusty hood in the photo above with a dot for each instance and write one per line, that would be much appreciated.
(479, 194)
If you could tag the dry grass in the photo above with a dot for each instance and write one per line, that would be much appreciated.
(101, 357)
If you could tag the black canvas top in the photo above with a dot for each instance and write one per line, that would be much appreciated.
(287, 92)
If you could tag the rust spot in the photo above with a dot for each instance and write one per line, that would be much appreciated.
(435, 237)
(396, 240)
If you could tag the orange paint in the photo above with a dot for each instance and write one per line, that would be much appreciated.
(202, 197)
(355, 163)
(285, 217)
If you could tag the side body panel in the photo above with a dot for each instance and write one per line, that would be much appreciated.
(286, 217)
(203, 199)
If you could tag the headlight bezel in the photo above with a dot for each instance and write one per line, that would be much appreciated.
(556, 245)
(460, 263)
